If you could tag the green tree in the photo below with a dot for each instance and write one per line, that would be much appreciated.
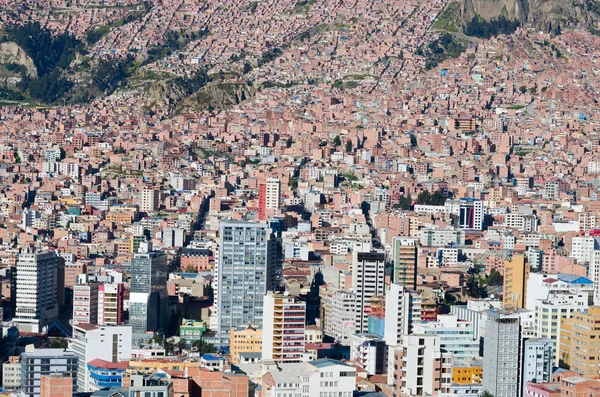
(475, 288)
(181, 344)
(349, 146)
(247, 68)
(495, 278)
(289, 142)
(424, 197)
(486, 394)
(190, 269)
(337, 141)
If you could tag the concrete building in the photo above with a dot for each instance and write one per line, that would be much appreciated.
(324, 377)
(39, 362)
(36, 290)
(11, 373)
(470, 214)
(244, 340)
(404, 258)
(578, 336)
(455, 336)
(283, 328)
(369, 352)
(368, 281)
(537, 361)
(402, 312)
(268, 198)
(441, 237)
(104, 374)
(89, 342)
(245, 254)
(149, 200)
(148, 299)
(502, 354)
(421, 368)
(85, 301)
(340, 316)
(110, 303)
(583, 247)
(516, 273)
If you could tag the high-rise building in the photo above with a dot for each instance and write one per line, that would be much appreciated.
(404, 258)
(36, 290)
(578, 337)
(368, 281)
(85, 301)
(456, 336)
(56, 385)
(39, 362)
(537, 361)
(148, 299)
(245, 274)
(91, 342)
(516, 274)
(268, 198)
(502, 354)
(470, 214)
(340, 316)
(110, 303)
(402, 312)
(283, 328)
(150, 200)
(421, 367)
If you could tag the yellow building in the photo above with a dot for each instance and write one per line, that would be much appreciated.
(152, 365)
(467, 373)
(246, 340)
(580, 342)
(516, 274)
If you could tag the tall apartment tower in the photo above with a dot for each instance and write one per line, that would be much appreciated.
(404, 258)
(150, 200)
(502, 354)
(110, 303)
(148, 300)
(516, 274)
(244, 273)
(368, 281)
(537, 360)
(402, 312)
(283, 328)
(576, 336)
(470, 214)
(85, 301)
(89, 342)
(268, 197)
(36, 290)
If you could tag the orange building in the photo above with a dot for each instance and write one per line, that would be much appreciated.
(56, 385)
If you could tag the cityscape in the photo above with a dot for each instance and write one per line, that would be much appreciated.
(300, 198)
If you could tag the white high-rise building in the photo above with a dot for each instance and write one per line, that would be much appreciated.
(91, 342)
(583, 247)
(340, 316)
(402, 312)
(284, 321)
(368, 281)
(272, 193)
(537, 361)
(149, 200)
(36, 305)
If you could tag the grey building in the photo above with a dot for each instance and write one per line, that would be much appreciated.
(148, 307)
(502, 354)
(246, 271)
(537, 360)
(40, 362)
(36, 290)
